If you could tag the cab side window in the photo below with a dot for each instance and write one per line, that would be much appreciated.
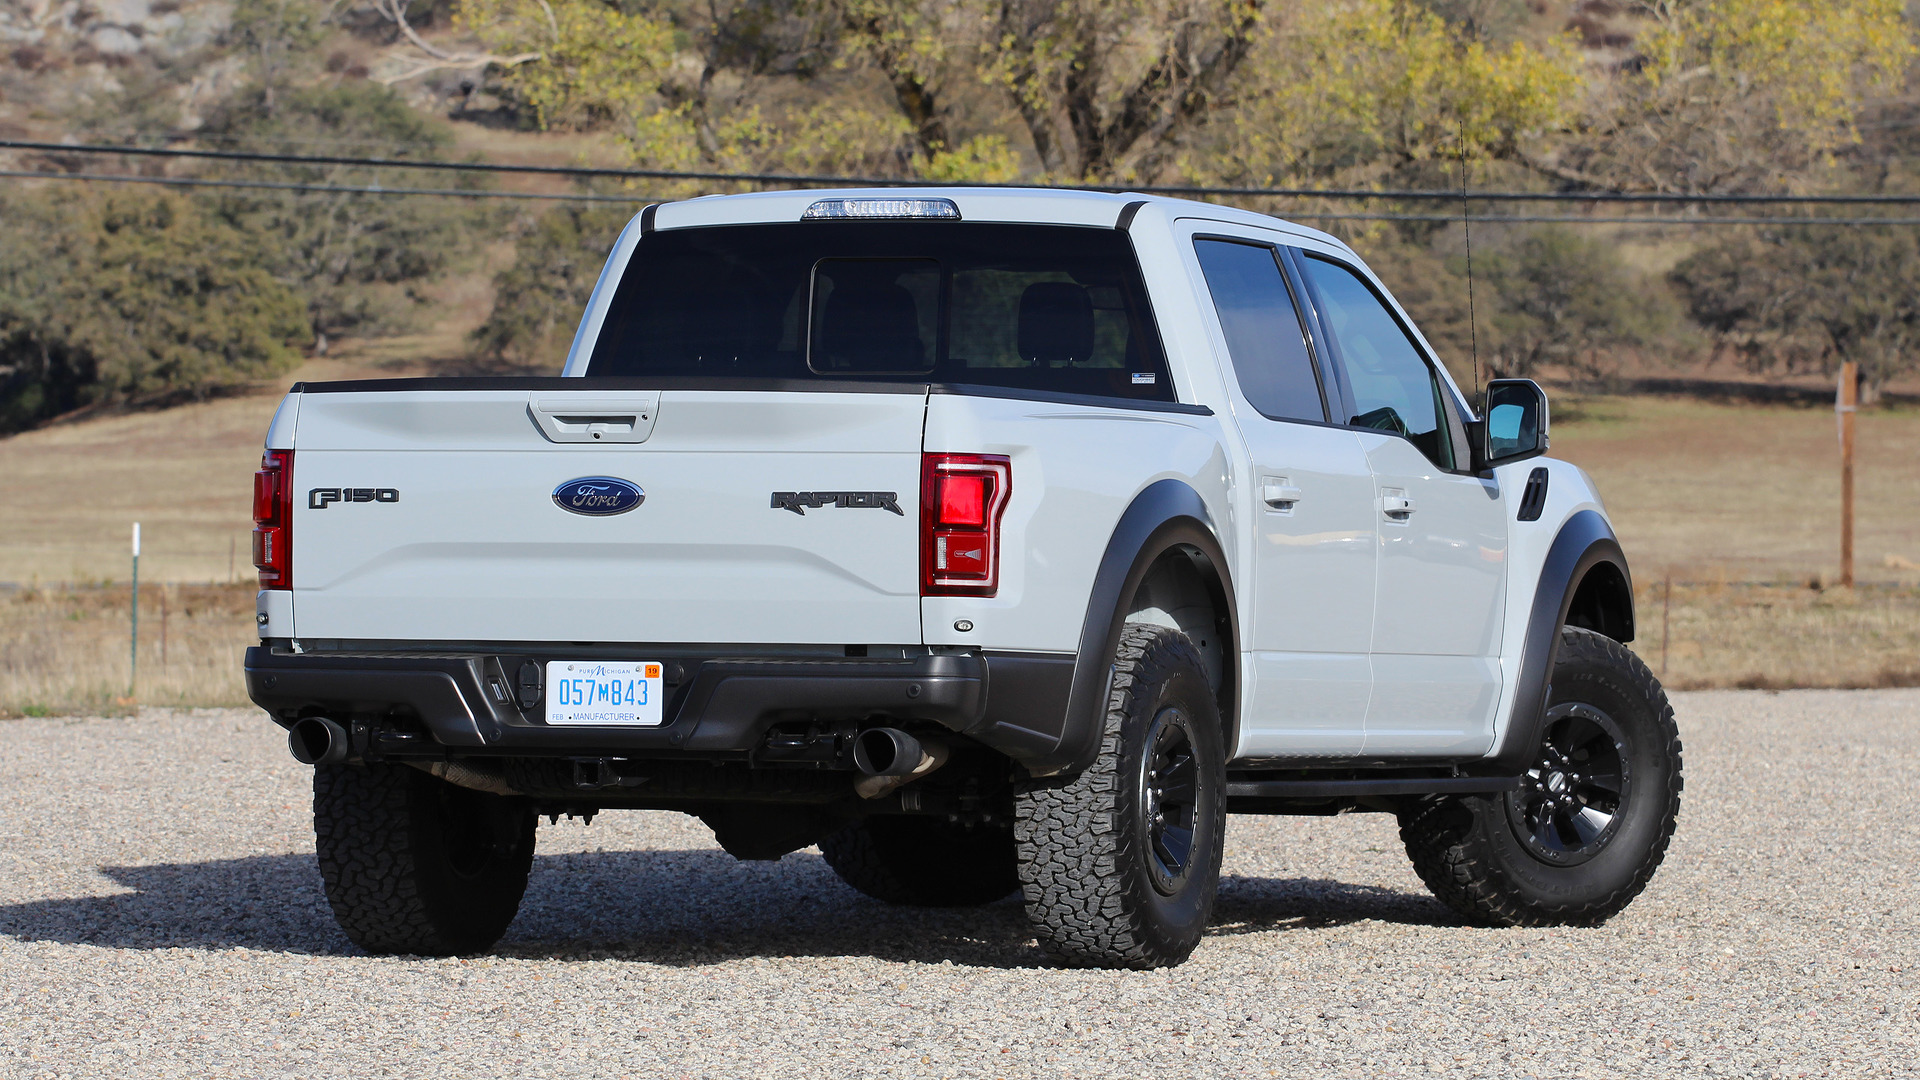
(1262, 327)
(1394, 389)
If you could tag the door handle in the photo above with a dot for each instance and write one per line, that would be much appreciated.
(1395, 504)
(1278, 494)
(590, 419)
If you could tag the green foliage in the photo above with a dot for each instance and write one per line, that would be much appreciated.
(1555, 296)
(578, 62)
(357, 259)
(1107, 89)
(1705, 95)
(120, 295)
(277, 37)
(1808, 298)
(538, 301)
(684, 89)
(982, 159)
(1482, 20)
(1711, 94)
(1734, 95)
(1360, 90)
(1811, 64)
(1101, 89)
(1543, 296)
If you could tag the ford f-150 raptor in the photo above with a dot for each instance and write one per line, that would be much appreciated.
(994, 541)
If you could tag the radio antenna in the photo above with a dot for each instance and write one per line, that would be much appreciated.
(1466, 222)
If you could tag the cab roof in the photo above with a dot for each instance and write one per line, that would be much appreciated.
(1013, 205)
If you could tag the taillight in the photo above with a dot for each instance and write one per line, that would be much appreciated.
(273, 520)
(961, 499)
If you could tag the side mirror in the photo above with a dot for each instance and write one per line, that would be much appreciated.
(1516, 424)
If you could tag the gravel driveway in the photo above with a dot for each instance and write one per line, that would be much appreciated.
(160, 914)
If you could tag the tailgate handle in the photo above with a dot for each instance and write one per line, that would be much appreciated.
(584, 419)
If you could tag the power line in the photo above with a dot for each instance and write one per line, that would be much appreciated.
(386, 163)
(468, 193)
(878, 181)
(342, 189)
(1526, 196)
(1572, 219)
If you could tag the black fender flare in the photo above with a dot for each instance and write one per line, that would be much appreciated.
(1585, 540)
(1166, 517)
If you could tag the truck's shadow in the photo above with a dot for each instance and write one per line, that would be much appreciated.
(671, 907)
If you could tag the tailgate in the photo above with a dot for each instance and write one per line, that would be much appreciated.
(456, 534)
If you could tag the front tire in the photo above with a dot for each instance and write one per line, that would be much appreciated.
(1594, 813)
(924, 861)
(413, 864)
(1120, 864)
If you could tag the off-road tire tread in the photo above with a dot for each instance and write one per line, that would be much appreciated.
(367, 862)
(1073, 842)
(1475, 886)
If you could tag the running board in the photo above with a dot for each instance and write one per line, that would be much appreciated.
(1373, 785)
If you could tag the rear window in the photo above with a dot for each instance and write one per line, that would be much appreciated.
(1037, 307)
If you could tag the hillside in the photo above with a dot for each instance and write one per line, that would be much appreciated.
(1543, 96)
(72, 491)
(1406, 93)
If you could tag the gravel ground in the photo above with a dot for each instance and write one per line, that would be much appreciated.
(160, 914)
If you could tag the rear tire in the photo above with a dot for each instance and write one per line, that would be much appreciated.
(1121, 863)
(924, 861)
(413, 864)
(1594, 814)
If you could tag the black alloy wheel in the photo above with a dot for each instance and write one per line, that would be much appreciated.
(1592, 817)
(1568, 806)
(1168, 798)
(1119, 865)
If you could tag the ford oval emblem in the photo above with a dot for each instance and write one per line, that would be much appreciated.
(598, 496)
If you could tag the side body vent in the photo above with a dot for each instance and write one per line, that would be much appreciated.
(1534, 499)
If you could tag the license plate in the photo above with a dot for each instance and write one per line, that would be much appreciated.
(603, 693)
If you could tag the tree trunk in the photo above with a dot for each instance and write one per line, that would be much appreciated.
(1871, 391)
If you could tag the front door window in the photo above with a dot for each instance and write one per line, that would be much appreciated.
(1393, 388)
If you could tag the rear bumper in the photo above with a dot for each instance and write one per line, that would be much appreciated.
(717, 706)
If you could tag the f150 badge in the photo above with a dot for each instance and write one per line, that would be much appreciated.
(321, 498)
(800, 501)
(598, 496)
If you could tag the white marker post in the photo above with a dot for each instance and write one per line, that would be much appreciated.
(133, 648)
(1845, 403)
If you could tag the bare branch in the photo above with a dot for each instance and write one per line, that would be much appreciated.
(395, 12)
(455, 63)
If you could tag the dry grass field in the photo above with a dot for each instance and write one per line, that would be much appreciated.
(64, 649)
(1738, 492)
(1735, 504)
(1777, 637)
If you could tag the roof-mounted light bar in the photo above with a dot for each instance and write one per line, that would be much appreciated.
(882, 210)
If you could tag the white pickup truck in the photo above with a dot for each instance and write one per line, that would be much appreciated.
(992, 540)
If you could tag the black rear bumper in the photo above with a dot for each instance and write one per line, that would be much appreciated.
(717, 706)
